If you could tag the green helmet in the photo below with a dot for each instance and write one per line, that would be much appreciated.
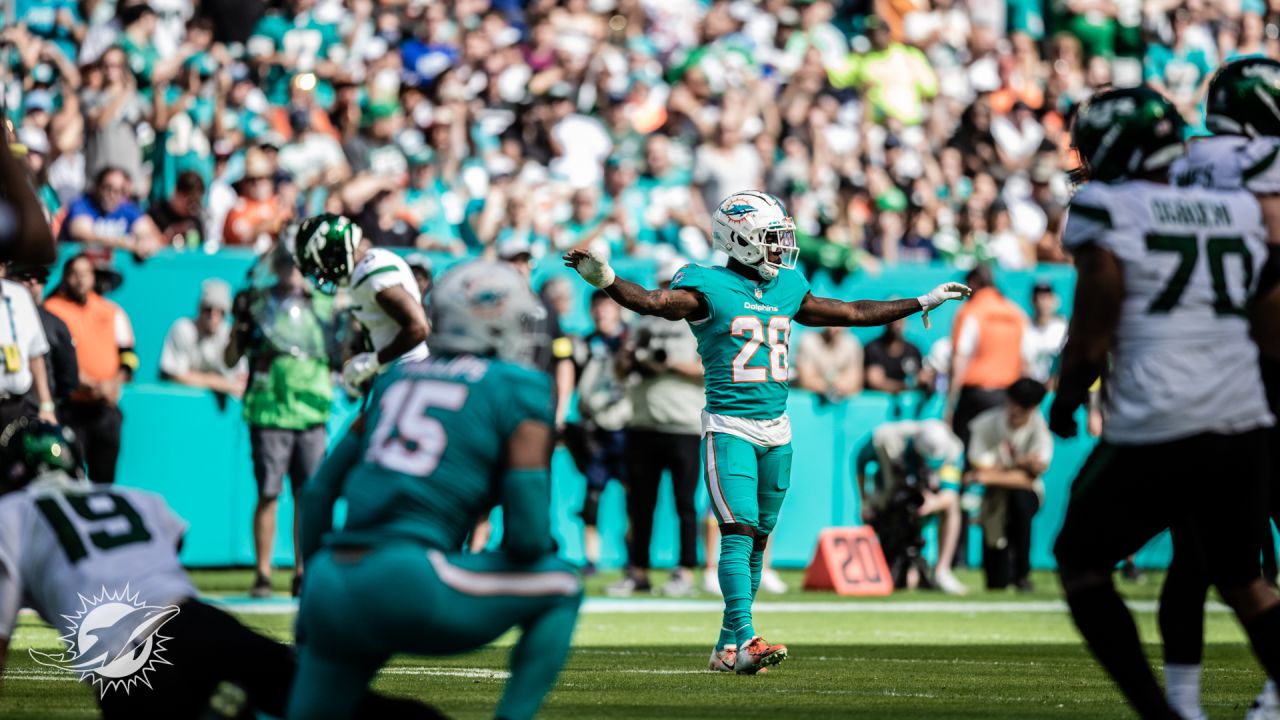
(30, 447)
(1244, 98)
(1127, 133)
(325, 248)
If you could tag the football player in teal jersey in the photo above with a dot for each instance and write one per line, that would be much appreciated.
(741, 315)
(444, 440)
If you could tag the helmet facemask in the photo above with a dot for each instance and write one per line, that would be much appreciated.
(780, 238)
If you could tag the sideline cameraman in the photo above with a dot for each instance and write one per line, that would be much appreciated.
(288, 398)
(596, 441)
(1009, 449)
(918, 476)
(666, 424)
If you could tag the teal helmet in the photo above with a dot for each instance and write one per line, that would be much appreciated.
(483, 307)
(30, 447)
(1244, 98)
(1127, 133)
(325, 250)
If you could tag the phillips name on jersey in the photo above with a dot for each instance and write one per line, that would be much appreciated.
(1191, 258)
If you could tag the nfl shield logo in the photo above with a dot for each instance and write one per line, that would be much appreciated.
(759, 294)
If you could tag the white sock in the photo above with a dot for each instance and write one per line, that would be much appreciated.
(1269, 687)
(1182, 688)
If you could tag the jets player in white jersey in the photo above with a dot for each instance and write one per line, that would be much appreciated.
(1243, 112)
(1166, 276)
(333, 252)
(65, 541)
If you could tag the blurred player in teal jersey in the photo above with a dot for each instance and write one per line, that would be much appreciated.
(741, 315)
(443, 441)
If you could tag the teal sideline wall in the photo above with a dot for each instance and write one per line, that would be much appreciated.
(180, 443)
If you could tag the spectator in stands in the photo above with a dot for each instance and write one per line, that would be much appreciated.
(24, 384)
(195, 349)
(1009, 449)
(180, 219)
(597, 440)
(1045, 335)
(260, 212)
(986, 353)
(893, 364)
(105, 355)
(113, 113)
(107, 219)
(666, 396)
(828, 363)
(918, 476)
(60, 362)
(286, 403)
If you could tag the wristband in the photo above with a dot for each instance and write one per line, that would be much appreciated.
(47, 407)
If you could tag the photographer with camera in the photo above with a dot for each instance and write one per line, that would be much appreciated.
(596, 440)
(288, 397)
(667, 398)
(1009, 449)
(917, 476)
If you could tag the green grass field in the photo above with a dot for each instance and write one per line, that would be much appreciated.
(915, 655)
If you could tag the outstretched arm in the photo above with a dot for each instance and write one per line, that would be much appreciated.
(828, 312)
(677, 304)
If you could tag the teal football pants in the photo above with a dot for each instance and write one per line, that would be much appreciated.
(360, 608)
(747, 484)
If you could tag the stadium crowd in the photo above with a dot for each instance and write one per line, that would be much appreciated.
(903, 132)
(899, 132)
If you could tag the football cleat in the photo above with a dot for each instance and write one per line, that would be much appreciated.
(722, 659)
(758, 655)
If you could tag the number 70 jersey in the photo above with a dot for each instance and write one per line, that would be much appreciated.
(745, 340)
(1184, 362)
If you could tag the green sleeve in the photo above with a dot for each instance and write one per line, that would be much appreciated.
(526, 514)
(322, 491)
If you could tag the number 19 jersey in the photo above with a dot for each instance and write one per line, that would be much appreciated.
(60, 540)
(744, 340)
(1184, 362)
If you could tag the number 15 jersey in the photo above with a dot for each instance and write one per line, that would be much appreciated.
(745, 340)
(1184, 362)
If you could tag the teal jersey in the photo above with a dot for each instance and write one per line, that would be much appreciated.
(744, 342)
(432, 448)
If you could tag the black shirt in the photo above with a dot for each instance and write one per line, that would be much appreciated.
(172, 225)
(63, 370)
(896, 367)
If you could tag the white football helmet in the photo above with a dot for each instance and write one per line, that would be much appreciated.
(484, 307)
(749, 225)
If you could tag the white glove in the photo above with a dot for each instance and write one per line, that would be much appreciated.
(941, 294)
(360, 368)
(595, 270)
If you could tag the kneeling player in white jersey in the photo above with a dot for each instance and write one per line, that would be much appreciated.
(1166, 277)
(1243, 154)
(333, 252)
(68, 546)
